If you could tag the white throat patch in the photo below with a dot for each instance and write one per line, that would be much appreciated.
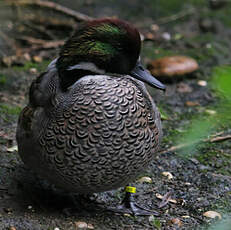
(87, 66)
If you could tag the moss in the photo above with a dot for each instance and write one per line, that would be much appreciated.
(11, 110)
(2, 79)
(9, 113)
(28, 65)
(215, 158)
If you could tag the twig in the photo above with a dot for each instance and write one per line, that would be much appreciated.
(51, 21)
(217, 139)
(42, 44)
(181, 146)
(51, 5)
(165, 200)
(176, 147)
(175, 17)
(40, 29)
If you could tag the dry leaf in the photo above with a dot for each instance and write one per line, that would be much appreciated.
(12, 228)
(167, 174)
(12, 149)
(165, 199)
(210, 111)
(176, 221)
(90, 226)
(159, 196)
(212, 214)
(150, 36)
(80, 225)
(202, 83)
(185, 216)
(192, 103)
(145, 179)
(37, 59)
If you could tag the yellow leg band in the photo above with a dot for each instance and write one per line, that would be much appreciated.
(130, 189)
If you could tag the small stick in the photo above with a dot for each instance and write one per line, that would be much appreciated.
(181, 146)
(42, 44)
(175, 17)
(40, 29)
(51, 5)
(217, 139)
(176, 147)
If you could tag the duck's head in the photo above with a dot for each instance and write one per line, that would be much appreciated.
(102, 46)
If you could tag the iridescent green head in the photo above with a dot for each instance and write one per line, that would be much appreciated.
(99, 46)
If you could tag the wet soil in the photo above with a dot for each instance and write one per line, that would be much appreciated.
(201, 181)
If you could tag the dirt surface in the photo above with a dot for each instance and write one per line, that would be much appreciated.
(201, 181)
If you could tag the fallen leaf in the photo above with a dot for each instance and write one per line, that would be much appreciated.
(12, 149)
(127, 214)
(12, 228)
(90, 226)
(185, 216)
(202, 83)
(192, 103)
(80, 225)
(150, 36)
(159, 196)
(212, 214)
(33, 70)
(145, 179)
(210, 111)
(167, 174)
(165, 199)
(176, 221)
(37, 59)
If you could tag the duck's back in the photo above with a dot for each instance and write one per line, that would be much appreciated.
(97, 136)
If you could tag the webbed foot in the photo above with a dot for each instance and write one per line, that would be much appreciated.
(129, 205)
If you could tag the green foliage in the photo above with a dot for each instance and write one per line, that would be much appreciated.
(222, 86)
(2, 79)
(156, 223)
(163, 113)
(28, 65)
(201, 127)
(11, 110)
(9, 113)
(222, 82)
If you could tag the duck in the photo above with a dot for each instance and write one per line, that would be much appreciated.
(90, 124)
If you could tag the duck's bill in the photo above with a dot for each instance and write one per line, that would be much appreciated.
(140, 73)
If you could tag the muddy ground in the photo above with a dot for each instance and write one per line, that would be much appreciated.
(201, 175)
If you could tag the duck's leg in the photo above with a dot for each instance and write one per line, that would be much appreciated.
(129, 205)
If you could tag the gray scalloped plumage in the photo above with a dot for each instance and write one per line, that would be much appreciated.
(97, 136)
